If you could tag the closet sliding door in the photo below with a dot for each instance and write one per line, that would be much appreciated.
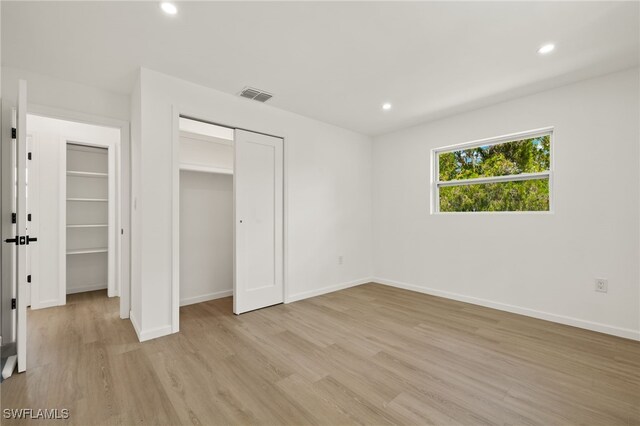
(258, 227)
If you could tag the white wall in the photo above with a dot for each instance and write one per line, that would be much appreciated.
(206, 236)
(328, 194)
(541, 265)
(47, 91)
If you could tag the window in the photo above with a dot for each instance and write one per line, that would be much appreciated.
(505, 174)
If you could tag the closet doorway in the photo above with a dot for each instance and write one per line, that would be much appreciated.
(75, 209)
(231, 216)
(37, 186)
(63, 188)
(90, 218)
(206, 212)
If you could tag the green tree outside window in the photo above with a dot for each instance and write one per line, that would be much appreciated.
(502, 159)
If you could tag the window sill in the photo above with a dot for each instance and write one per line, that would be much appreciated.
(535, 213)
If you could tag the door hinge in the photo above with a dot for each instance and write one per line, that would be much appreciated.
(29, 217)
(14, 217)
(14, 133)
(13, 303)
(28, 278)
(29, 156)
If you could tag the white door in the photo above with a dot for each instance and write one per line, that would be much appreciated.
(32, 197)
(22, 234)
(258, 229)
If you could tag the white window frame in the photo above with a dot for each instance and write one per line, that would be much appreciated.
(436, 184)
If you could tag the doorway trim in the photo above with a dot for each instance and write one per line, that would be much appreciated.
(176, 113)
(123, 184)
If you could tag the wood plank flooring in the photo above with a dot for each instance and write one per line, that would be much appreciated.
(366, 355)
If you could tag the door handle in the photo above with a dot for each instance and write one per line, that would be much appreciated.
(21, 240)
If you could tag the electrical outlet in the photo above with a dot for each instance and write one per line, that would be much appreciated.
(602, 285)
(340, 260)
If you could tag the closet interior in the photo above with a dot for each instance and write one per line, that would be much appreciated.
(206, 211)
(87, 241)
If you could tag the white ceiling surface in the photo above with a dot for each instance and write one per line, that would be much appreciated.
(336, 62)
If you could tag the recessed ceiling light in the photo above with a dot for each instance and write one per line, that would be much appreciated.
(386, 106)
(547, 48)
(169, 8)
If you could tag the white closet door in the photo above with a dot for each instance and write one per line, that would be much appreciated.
(258, 214)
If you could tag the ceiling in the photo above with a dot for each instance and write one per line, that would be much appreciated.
(335, 62)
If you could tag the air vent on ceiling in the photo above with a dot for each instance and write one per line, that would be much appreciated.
(255, 94)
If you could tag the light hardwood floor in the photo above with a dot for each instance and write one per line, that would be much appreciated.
(369, 355)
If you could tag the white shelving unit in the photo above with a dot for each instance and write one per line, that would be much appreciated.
(87, 218)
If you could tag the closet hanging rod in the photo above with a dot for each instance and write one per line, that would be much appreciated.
(87, 251)
(86, 174)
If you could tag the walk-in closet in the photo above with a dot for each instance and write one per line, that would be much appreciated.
(74, 204)
(87, 218)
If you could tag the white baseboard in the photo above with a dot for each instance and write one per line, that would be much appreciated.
(206, 297)
(45, 304)
(136, 325)
(86, 288)
(154, 333)
(144, 335)
(325, 290)
(562, 319)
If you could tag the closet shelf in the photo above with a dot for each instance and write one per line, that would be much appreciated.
(96, 225)
(86, 174)
(205, 169)
(87, 251)
(88, 199)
